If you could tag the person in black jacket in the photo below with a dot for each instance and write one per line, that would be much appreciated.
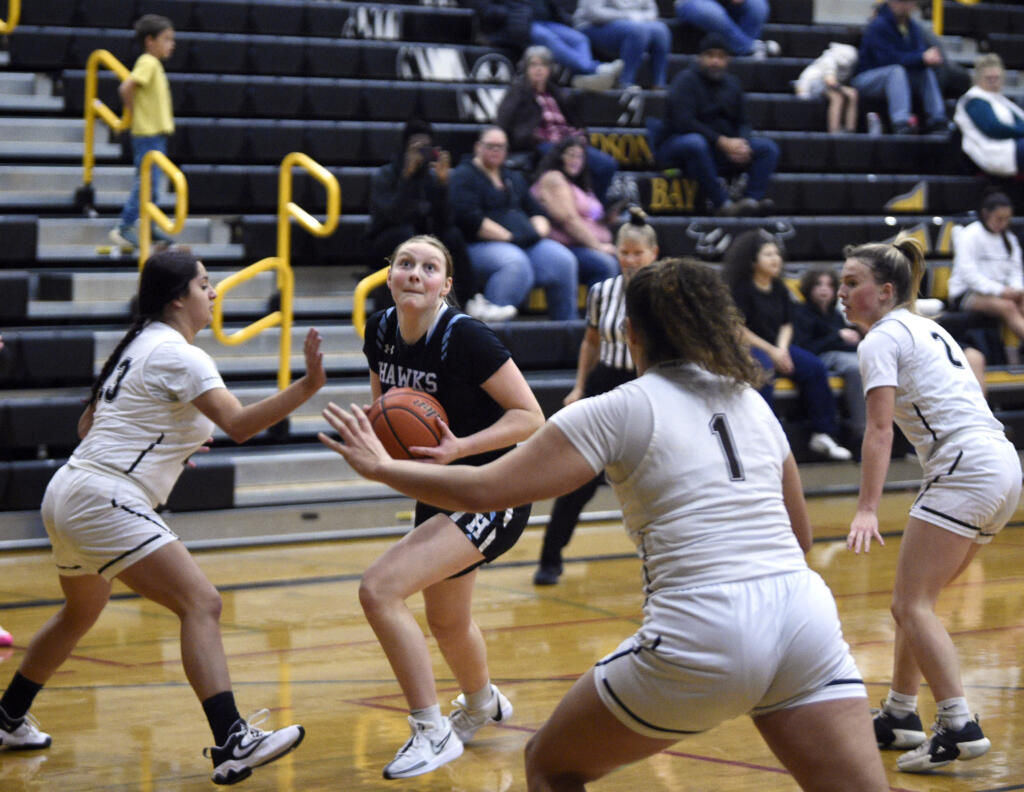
(409, 196)
(819, 327)
(536, 114)
(706, 132)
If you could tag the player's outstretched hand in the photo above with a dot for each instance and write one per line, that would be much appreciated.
(314, 360)
(359, 445)
(863, 529)
(444, 452)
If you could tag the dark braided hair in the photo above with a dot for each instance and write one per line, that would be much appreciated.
(165, 277)
(684, 312)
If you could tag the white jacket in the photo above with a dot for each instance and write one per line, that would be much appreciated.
(838, 60)
(981, 263)
(997, 156)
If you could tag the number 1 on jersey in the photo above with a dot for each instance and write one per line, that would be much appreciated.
(720, 428)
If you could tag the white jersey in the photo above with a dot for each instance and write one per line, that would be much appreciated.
(697, 467)
(936, 393)
(982, 264)
(145, 426)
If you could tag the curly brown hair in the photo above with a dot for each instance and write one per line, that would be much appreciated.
(684, 311)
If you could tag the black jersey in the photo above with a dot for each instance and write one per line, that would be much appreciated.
(455, 357)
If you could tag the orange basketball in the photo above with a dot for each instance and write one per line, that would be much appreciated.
(404, 417)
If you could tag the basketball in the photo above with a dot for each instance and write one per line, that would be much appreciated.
(404, 417)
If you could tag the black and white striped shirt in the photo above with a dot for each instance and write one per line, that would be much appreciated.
(606, 313)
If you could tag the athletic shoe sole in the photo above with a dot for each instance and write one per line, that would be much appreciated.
(231, 772)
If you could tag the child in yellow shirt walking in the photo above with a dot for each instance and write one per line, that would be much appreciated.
(148, 94)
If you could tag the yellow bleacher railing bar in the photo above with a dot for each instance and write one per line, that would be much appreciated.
(938, 17)
(149, 211)
(281, 263)
(95, 107)
(363, 289)
(13, 13)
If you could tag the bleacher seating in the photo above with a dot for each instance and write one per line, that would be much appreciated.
(255, 79)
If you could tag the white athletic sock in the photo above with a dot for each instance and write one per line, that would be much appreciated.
(428, 715)
(953, 713)
(480, 698)
(899, 704)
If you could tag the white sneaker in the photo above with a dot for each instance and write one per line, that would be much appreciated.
(945, 746)
(248, 747)
(467, 722)
(766, 49)
(603, 79)
(429, 747)
(479, 307)
(821, 443)
(23, 737)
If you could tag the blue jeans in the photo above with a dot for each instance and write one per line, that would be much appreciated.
(693, 154)
(595, 265)
(630, 40)
(140, 146)
(506, 273)
(740, 26)
(897, 86)
(568, 46)
(602, 167)
(811, 379)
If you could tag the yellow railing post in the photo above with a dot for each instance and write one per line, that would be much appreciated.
(286, 209)
(94, 107)
(939, 17)
(13, 13)
(363, 289)
(149, 211)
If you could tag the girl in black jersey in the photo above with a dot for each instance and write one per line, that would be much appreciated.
(425, 343)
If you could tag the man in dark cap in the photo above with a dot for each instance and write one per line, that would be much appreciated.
(706, 133)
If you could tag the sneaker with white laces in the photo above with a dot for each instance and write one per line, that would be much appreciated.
(479, 307)
(604, 77)
(21, 734)
(821, 443)
(248, 747)
(429, 747)
(945, 746)
(894, 731)
(467, 722)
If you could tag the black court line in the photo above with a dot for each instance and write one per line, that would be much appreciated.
(353, 576)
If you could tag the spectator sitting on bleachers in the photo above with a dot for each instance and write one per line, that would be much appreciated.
(551, 27)
(987, 276)
(629, 29)
(895, 64)
(991, 125)
(739, 22)
(578, 220)
(506, 229)
(706, 132)
(821, 329)
(408, 197)
(827, 76)
(536, 114)
(752, 268)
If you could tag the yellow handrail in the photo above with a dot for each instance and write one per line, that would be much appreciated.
(13, 13)
(286, 209)
(95, 107)
(363, 289)
(938, 15)
(148, 210)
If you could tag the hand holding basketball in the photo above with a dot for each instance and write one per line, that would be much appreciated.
(409, 423)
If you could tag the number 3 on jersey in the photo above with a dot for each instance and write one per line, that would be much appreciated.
(720, 428)
(109, 394)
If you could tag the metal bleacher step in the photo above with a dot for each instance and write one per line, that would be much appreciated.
(319, 291)
(67, 238)
(28, 92)
(49, 137)
(55, 185)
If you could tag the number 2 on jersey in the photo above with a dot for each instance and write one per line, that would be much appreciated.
(720, 428)
(949, 352)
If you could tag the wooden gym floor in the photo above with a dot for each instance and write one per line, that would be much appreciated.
(123, 718)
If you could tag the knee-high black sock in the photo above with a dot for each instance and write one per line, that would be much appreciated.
(18, 697)
(222, 714)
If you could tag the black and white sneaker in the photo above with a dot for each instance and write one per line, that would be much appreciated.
(429, 747)
(944, 747)
(248, 747)
(22, 734)
(892, 731)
